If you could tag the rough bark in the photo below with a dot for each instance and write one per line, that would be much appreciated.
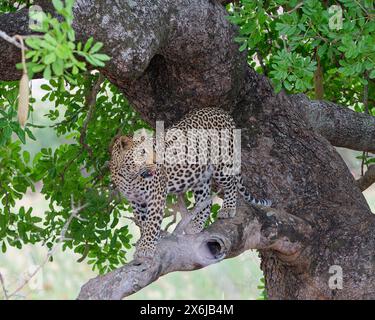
(319, 80)
(252, 228)
(368, 178)
(342, 127)
(172, 56)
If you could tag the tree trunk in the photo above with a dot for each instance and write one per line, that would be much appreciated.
(171, 56)
(307, 178)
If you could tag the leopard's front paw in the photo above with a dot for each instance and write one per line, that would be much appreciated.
(225, 213)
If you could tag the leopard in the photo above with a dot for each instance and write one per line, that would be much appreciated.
(184, 164)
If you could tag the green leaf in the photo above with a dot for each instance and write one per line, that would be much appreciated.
(33, 43)
(26, 156)
(47, 73)
(49, 58)
(46, 87)
(94, 62)
(51, 40)
(97, 46)
(58, 4)
(38, 68)
(101, 57)
(322, 50)
(6, 134)
(19, 132)
(71, 35)
(62, 51)
(30, 134)
(36, 219)
(243, 46)
(58, 67)
(88, 44)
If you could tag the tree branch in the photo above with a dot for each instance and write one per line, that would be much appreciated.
(252, 228)
(11, 40)
(2, 283)
(341, 126)
(90, 103)
(367, 179)
(143, 40)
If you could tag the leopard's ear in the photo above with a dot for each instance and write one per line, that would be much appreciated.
(124, 142)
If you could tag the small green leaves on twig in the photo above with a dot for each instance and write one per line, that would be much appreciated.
(56, 53)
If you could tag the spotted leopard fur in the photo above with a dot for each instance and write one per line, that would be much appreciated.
(146, 183)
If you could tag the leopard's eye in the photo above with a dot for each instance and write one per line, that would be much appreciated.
(147, 174)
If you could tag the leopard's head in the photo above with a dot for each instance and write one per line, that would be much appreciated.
(129, 157)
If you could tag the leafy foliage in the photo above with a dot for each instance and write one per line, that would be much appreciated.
(291, 39)
(77, 169)
(325, 49)
(7, 6)
(55, 54)
(263, 291)
(71, 170)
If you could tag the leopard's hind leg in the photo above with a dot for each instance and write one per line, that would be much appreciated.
(202, 195)
(229, 185)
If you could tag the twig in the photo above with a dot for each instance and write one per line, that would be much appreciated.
(69, 164)
(13, 40)
(173, 208)
(134, 220)
(5, 292)
(62, 237)
(367, 111)
(10, 39)
(174, 214)
(187, 215)
(90, 103)
(299, 5)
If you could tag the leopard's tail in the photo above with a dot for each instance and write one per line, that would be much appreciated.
(248, 197)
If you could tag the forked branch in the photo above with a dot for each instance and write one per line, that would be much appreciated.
(252, 228)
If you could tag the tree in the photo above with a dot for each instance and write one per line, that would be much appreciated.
(168, 59)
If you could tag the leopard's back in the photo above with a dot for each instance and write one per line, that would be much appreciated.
(186, 169)
(205, 118)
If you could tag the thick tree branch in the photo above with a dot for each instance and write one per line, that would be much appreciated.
(151, 51)
(252, 228)
(341, 126)
(367, 179)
